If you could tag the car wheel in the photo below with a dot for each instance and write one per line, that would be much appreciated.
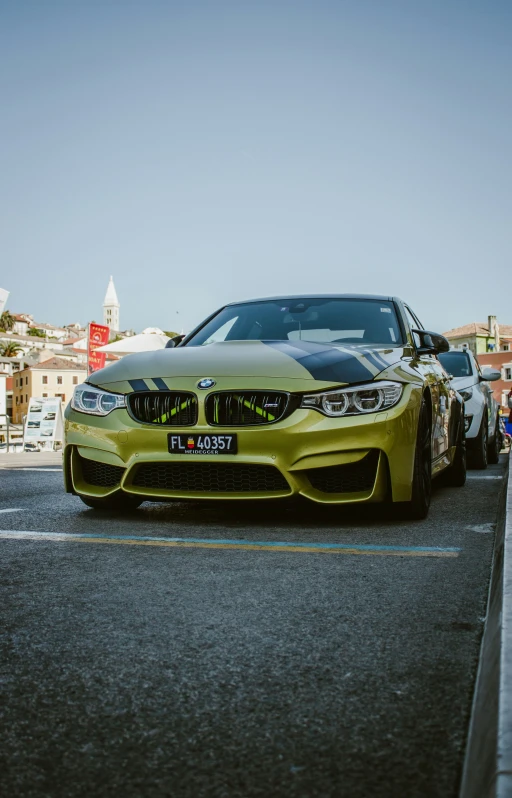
(120, 502)
(478, 457)
(419, 505)
(456, 474)
(494, 448)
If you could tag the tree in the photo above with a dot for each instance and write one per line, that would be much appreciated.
(37, 332)
(7, 320)
(170, 334)
(10, 349)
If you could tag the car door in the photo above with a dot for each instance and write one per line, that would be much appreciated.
(440, 391)
(490, 402)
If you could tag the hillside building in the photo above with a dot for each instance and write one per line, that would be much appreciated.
(481, 338)
(52, 377)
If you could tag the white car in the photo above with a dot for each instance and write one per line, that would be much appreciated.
(483, 436)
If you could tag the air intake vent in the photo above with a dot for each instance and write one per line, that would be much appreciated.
(245, 408)
(164, 408)
(101, 474)
(349, 478)
(211, 478)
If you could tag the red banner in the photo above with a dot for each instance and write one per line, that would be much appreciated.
(98, 336)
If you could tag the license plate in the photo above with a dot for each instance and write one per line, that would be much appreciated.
(202, 444)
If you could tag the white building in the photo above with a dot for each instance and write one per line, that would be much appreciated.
(111, 307)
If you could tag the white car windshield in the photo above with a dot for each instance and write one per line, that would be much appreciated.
(458, 364)
(322, 320)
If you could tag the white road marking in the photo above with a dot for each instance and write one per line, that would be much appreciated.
(482, 529)
(477, 476)
(12, 510)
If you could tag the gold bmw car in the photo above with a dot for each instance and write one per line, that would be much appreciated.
(336, 398)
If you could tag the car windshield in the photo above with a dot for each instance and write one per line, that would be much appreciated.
(458, 364)
(323, 320)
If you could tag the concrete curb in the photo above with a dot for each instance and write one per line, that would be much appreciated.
(30, 459)
(488, 762)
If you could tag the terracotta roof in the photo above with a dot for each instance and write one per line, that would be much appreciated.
(478, 328)
(57, 363)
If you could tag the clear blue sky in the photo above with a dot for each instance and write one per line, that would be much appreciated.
(203, 152)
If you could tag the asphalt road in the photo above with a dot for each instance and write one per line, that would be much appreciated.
(162, 670)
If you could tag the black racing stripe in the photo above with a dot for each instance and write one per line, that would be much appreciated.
(374, 358)
(138, 385)
(324, 362)
(381, 359)
(160, 384)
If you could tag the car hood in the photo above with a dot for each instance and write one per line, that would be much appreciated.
(459, 383)
(295, 365)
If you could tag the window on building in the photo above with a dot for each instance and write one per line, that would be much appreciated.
(75, 380)
(61, 396)
(26, 380)
(44, 395)
(508, 373)
(506, 347)
(17, 400)
(59, 380)
(26, 398)
(45, 379)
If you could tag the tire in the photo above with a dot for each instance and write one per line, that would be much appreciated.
(494, 447)
(120, 502)
(456, 474)
(478, 458)
(418, 507)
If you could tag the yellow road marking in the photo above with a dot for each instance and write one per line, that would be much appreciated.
(64, 538)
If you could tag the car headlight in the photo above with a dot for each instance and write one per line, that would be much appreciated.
(88, 399)
(466, 393)
(355, 401)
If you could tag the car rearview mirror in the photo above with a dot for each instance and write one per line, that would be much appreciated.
(490, 375)
(431, 343)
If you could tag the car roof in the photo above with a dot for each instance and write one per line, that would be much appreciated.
(378, 297)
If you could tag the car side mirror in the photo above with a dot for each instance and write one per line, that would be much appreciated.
(490, 375)
(431, 343)
(172, 342)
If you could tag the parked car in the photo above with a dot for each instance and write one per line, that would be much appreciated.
(335, 398)
(483, 438)
(506, 439)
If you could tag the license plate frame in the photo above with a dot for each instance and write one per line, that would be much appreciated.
(180, 443)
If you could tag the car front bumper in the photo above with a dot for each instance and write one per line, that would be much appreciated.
(327, 460)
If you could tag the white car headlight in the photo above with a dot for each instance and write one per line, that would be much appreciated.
(355, 401)
(91, 400)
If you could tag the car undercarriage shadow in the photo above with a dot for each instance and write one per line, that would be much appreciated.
(297, 512)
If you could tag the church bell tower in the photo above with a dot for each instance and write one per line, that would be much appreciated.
(111, 307)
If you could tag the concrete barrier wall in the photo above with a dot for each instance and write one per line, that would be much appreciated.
(488, 761)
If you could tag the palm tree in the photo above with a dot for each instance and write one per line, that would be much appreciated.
(7, 320)
(10, 349)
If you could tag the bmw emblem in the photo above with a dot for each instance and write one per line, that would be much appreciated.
(206, 383)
